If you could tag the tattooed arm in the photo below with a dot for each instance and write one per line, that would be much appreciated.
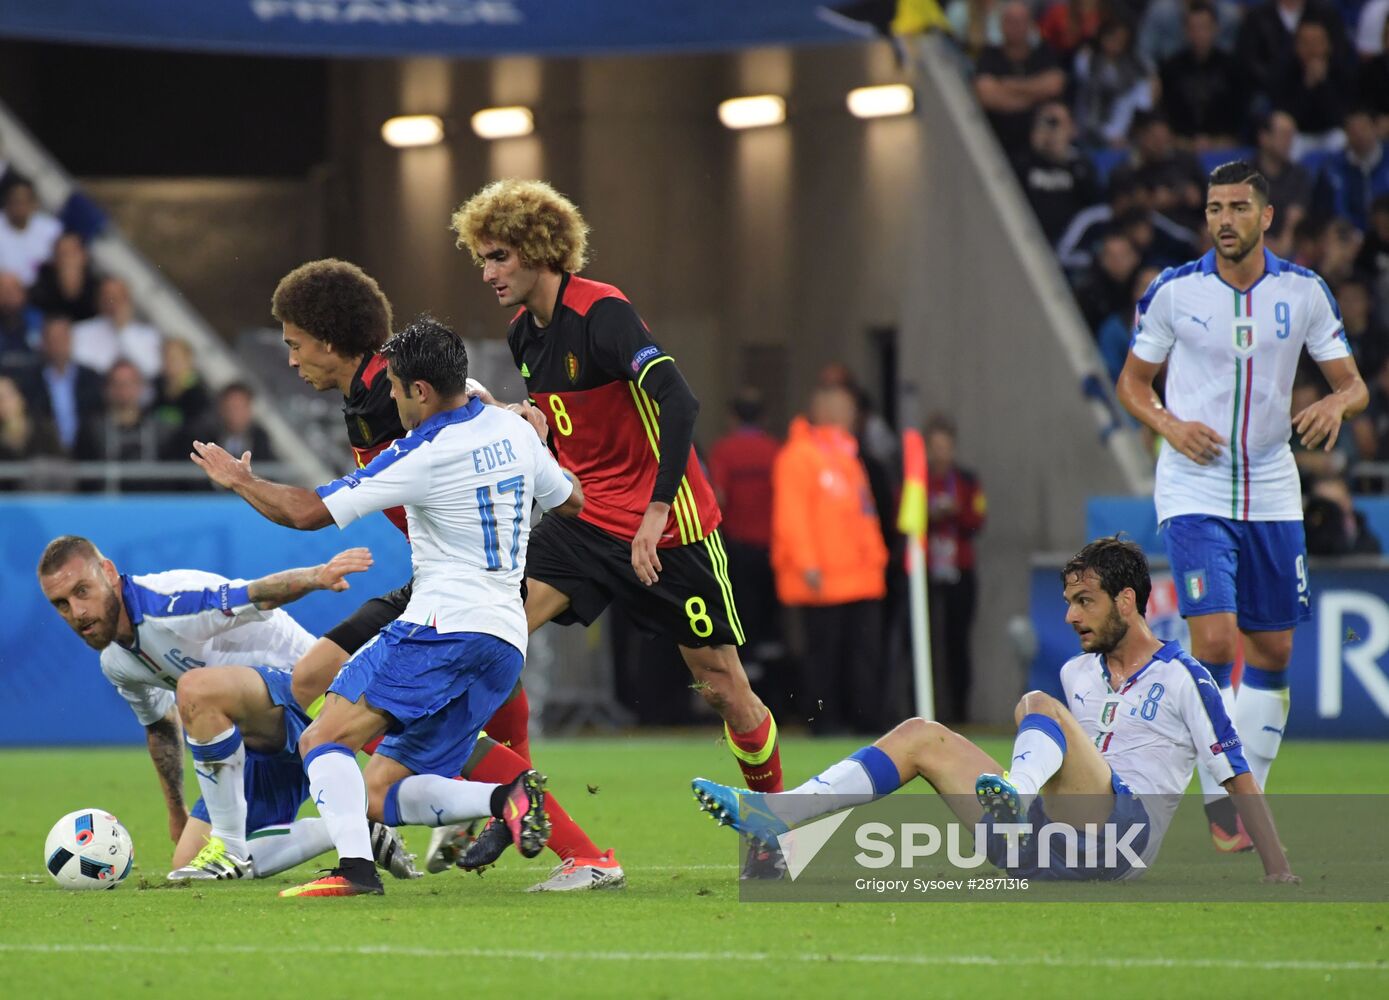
(165, 739)
(288, 586)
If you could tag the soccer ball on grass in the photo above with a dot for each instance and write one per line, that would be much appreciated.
(88, 849)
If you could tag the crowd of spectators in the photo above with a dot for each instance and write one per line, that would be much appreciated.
(82, 377)
(1113, 112)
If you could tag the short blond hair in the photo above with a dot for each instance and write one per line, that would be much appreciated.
(543, 226)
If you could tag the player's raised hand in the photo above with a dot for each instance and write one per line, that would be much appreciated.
(535, 416)
(220, 467)
(1195, 440)
(1320, 423)
(476, 389)
(645, 560)
(333, 574)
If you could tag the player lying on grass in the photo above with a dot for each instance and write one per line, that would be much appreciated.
(466, 475)
(335, 319)
(1139, 714)
(165, 631)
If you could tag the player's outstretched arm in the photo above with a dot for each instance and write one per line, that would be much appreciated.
(165, 739)
(1190, 437)
(1258, 820)
(292, 506)
(289, 585)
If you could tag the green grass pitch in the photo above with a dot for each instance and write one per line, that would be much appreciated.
(678, 930)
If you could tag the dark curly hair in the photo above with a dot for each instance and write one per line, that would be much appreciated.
(335, 302)
(1119, 563)
(428, 351)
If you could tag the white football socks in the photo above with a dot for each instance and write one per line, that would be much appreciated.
(1261, 714)
(340, 793)
(1038, 751)
(278, 848)
(868, 774)
(220, 764)
(432, 800)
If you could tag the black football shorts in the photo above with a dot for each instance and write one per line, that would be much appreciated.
(691, 603)
(358, 628)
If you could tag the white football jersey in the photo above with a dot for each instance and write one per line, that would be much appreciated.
(1231, 358)
(466, 478)
(185, 619)
(1155, 728)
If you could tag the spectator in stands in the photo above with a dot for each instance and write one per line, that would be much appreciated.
(234, 425)
(27, 234)
(1372, 262)
(1116, 331)
(1265, 44)
(1107, 287)
(1290, 185)
(829, 557)
(1113, 83)
(1371, 428)
(22, 434)
(1374, 81)
(1371, 28)
(1358, 174)
(18, 324)
(956, 511)
(115, 334)
(63, 391)
(740, 469)
(1366, 331)
(976, 24)
(1127, 196)
(66, 284)
(1315, 88)
(1334, 526)
(1174, 176)
(1203, 94)
(125, 431)
(1162, 29)
(1013, 79)
(1066, 25)
(1059, 182)
(181, 399)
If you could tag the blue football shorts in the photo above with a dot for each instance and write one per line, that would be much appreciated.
(1255, 569)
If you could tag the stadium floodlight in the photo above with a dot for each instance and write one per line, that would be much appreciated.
(413, 130)
(752, 112)
(503, 123)
(881, 101)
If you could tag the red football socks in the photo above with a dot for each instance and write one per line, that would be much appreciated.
(510, 726)
(567, 839)
(758, 754)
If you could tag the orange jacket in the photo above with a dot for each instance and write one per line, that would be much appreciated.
(823, 518)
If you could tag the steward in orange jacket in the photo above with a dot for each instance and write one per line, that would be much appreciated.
(827, 542)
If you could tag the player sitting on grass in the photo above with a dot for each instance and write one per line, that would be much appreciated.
(155, 634)
(1139, 713)
(466, 475)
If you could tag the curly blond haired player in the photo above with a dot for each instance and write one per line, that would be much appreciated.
(621, 417)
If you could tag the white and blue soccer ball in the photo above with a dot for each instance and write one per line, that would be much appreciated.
(88, 849)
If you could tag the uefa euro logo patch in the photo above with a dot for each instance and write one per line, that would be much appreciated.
(1244, 336)
(1196, 584)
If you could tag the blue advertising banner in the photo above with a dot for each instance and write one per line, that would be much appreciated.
(406, 27)
(54, 692)
(1339, 675)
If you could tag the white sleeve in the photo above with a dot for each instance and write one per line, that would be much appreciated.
(197, 613)
(149, 702)
(1326, 334)
(1218, 747)
(1153, 335)
(399, 475)
(552, 486)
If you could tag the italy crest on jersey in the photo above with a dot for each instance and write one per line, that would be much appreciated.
(1196, 584)
(1244, 336)
(571, 366)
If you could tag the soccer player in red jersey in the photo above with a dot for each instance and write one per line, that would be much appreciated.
(621, 417)
(335, 319)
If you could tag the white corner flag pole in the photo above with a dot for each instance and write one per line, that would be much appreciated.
(911, 521)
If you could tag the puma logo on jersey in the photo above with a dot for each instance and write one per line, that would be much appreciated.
(1205, 324)
(1079, 697)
